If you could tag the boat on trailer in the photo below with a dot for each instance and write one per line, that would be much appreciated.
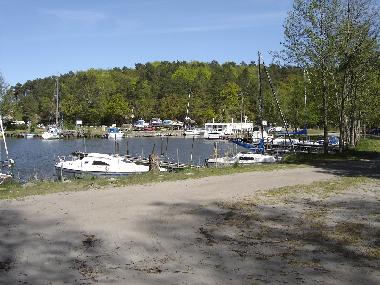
(115, 133)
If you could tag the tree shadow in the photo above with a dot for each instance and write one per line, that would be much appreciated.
(38, 251)
(343, 167)
(292, 240)
(251, 243)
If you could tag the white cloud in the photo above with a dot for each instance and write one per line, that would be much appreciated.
(227, 23)
(75, 15)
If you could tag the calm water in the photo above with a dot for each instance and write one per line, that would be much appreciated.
(35, 158)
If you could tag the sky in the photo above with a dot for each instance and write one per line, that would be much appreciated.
(41, 38)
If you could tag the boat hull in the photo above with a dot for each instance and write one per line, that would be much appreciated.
(115, 136)
(246, 159)
(50, 136)
(65, 172)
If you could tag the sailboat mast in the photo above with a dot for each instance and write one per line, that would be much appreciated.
(260, 97)
(57, 98)
(2, 133)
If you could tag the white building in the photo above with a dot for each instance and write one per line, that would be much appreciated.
(219, 130)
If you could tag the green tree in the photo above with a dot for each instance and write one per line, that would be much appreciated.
(335, 40)
(310, 31)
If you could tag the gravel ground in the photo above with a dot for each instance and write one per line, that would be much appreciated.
(217, 230)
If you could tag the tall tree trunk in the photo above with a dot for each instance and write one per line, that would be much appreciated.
(352, 121)
(341, 121)
(325, 112)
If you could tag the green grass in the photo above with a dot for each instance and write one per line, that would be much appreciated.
(366, 149)
(15, 190)
(368, 145)
(321, 189)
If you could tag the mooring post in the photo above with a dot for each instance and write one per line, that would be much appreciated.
(161, 153)
(61, 177)
(191, 153)
(154, 164)
(177, 158)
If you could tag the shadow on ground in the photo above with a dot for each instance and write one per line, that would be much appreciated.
(346, 167)
(40, 253)
(301, 240)
(294, 239)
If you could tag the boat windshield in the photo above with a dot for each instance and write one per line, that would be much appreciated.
(99, 162)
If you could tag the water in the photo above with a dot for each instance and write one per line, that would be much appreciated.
(35, 158)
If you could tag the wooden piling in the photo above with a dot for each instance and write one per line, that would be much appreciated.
(154, 163)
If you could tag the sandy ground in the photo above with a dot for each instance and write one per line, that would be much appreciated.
(186, 232)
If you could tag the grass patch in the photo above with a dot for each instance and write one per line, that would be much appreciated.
(368, 145)
(15, 190)
(349, 232)
(304, 225)
(365, 149)
(322, 189)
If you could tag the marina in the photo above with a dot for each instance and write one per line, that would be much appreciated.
(35, 158)
(229, 144)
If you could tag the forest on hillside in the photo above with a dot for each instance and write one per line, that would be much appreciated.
(161, 89)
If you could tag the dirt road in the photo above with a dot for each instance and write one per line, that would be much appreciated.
(150, 234)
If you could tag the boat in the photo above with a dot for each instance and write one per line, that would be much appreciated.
(52, 133)
(140, 125)
(242, 158)
(221, 130)
(97, 164)
(29, 136)
(257, 136)
(115, 133)
(193, 132)
(213, 135)
(6, 173)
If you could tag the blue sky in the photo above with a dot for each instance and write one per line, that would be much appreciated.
(45, 37)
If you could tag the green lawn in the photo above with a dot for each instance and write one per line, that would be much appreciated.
(366, 149)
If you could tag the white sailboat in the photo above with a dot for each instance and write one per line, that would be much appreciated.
(6, 165)
(54, 132)
(51, 133)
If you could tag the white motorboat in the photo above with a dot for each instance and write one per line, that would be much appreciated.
(193, 132)
(243, 158)
(283, 141)
(115, 133)
(98, 164)
(29, 136)
(215, 135)
(52, 133)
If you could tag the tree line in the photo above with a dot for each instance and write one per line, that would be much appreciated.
(160, 89)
